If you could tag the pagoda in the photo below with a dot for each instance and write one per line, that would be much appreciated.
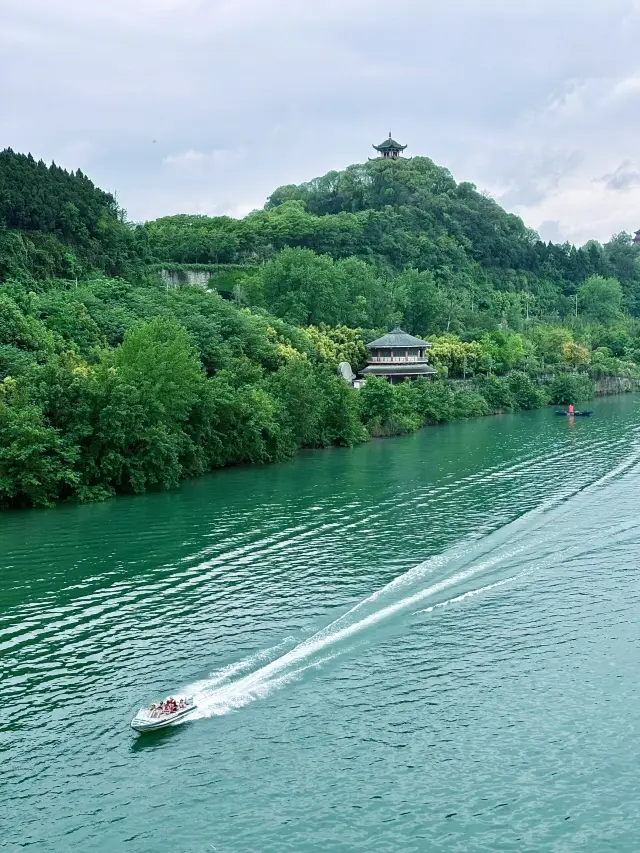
(390, 149)
(398, 356)
(636, 239)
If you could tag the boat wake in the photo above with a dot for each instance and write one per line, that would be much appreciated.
(500, 558)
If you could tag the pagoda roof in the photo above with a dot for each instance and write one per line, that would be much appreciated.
(409, 368)
(389, 145)
(397, 339)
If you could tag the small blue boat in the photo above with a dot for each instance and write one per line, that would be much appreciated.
(584, 414)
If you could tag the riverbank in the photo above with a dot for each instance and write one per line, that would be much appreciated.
(389, 410)
(123, 370)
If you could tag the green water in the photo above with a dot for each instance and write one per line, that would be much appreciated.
(428, 643)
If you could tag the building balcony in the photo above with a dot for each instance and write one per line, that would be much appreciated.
(397, 359)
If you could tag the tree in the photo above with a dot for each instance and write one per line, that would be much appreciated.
(526, 394)
(456, 357)
(339, 344)
(422, 303)
(36, 462)
(501, 351)
(304, 288)
(575, 354)
(159, 360)
(376, 404)
(600, 299)
(570, 388)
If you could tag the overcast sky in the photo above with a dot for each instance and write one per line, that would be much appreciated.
(205, 106)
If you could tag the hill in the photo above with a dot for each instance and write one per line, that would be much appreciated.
(476, 262)
(110, 381)
(57, 223)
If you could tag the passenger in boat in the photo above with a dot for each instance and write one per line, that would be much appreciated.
(570, 409)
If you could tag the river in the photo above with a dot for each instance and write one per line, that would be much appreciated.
(425, 643)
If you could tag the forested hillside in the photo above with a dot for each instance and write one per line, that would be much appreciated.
(400, 241)
(56, 223)
(112, 382)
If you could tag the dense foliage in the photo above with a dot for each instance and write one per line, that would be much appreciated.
(400, 242)
(111, 381)
(57, 223)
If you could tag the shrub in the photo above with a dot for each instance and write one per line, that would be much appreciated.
(570, 388)
(497, 393)
(470, 404)
(526, 394)
(435, 401)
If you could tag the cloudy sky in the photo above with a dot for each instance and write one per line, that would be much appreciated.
(205, 106)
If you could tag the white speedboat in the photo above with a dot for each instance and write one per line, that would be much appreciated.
(162, 714)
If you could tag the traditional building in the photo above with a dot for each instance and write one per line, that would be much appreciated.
(390, 149)
(636, 239)
(398, 356)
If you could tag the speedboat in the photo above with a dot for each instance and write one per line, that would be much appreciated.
(157, 716)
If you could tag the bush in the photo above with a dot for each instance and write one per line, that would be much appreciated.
(406, 417)
(569, 388)
(389, 409)
(376, 404)
(526, 393)
(435, 401)
(497, 393)
(470, 404)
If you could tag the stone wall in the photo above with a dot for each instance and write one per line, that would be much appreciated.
(607, 385)
(183, 278)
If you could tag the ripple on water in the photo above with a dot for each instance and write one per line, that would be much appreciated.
(473, 687)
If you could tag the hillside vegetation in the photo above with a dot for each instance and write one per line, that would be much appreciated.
(111, 382)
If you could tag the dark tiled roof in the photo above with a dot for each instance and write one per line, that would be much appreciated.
(411, 368)
(389, 145)
(397, 338)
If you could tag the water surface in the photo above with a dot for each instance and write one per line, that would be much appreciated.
(427, 643)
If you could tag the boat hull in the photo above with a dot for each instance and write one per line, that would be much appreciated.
(144, 722)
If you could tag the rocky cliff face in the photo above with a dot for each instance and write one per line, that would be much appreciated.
(607, 385)
(182, 278)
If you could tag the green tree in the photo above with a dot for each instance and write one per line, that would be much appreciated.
(304, 288)
(600, 299)
(377, 404)
(570, 388)
(497, 392)
(37, 464)
(525, 392)
(159, 360)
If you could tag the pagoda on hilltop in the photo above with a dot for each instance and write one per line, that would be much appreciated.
(636, 239)
(390, 149)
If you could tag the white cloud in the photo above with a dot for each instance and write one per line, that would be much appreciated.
(208, 105)
(627, 87)
(585, 212)
(197, 161)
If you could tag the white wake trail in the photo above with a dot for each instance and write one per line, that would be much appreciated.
(230, 689)
(215, 699)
